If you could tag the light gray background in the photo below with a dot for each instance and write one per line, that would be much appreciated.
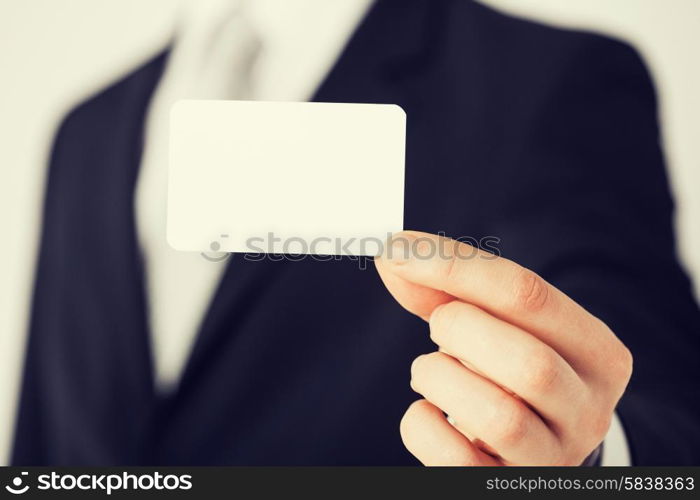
(53, 53)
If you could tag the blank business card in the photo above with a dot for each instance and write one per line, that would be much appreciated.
(278, 177)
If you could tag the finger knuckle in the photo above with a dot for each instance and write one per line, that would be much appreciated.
(422, 367)
(417, 365)
(414, 432)
(623, 362)
(442, 322)
(414, 418)
(599, 424)
(530, 291)
(541, 370)
(509, 422)
(453, 273)
(590, 428)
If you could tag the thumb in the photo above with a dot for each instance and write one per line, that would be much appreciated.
(417, 299)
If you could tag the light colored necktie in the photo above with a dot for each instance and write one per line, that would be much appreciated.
(213, 58)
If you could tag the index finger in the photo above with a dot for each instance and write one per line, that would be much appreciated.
(495, 284)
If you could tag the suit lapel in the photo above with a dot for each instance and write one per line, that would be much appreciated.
(87, 394)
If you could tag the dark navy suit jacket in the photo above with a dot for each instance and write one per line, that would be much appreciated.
(547, 139)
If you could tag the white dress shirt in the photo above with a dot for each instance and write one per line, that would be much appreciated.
(286, 49)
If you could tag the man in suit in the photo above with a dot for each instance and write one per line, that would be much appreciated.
(546, 139)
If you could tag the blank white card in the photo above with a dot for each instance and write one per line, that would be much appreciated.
(278, 177)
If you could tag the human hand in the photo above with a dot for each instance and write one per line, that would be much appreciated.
(526, 375)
